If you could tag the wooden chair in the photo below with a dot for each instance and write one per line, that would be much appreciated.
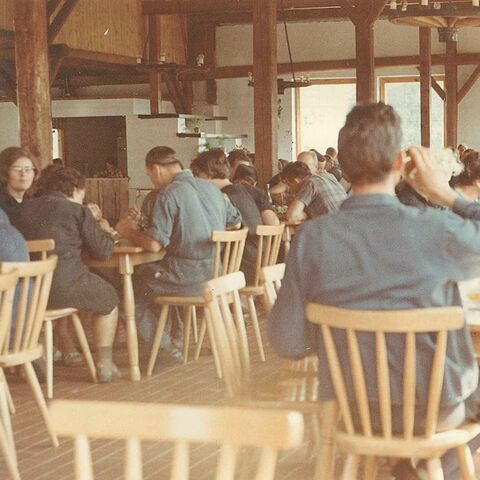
(295, 386)
(8, 282)
(44, 247)
(364, 441)
(19, 342)
(269, 241)
(271, 278)
(230, 428)
(228, 253)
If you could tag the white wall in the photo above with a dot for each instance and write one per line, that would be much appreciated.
(330, 41)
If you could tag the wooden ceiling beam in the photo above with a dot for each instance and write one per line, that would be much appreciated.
(469, 83)
(188, 7)
(60, 18)
(240, 71)
(52, 6)
(303, 15)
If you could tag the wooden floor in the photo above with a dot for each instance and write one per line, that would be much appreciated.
(172, 382)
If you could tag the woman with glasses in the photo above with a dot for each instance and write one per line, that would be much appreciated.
(17, 172)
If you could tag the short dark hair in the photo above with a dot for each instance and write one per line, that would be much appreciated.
(161, 156)
(238, 155)
(245, 173)
(212, 163)
(9, 156)
(471, 170)
(368, 142)
(61, 180)
(296, 170)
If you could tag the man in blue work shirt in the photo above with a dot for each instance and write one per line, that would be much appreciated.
(186, 212)
(376, 254)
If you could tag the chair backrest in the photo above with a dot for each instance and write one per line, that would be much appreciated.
(43, 247)
(229, 246)
(229, 427)
(8, 282)
(269, 241)
(434, 321)
(35, 280)
(272, 277)
(222, 297)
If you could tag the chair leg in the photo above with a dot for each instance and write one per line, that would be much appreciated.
(256, 328)
(157, 339)
(324, 469)
(187, 327)
(434, 468)
(82, 339)
(10, 460)
(213, 344)
(194, 324)
(465, 462)
(49, 356)
(42, 405)
(201, 337)
(370, 468)
(350, 470)
(5, 420)
(11, 404)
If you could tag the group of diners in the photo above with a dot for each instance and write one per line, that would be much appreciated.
(178, 216)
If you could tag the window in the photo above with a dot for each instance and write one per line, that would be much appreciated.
(321, 110)
(403, 93)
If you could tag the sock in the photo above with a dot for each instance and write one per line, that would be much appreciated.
(104, 355)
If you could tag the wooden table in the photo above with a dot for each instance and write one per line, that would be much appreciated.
(125, 258)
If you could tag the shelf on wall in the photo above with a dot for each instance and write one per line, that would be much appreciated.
(183, 115)
(211, 135)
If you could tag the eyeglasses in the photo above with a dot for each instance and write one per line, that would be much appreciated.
(26, 169)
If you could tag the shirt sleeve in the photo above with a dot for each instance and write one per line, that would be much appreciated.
(306, 193)
(466, 209)
(13, 247)
(289, 332)
(163, 219)
(262, 201)
(233, 215)
(98, 243)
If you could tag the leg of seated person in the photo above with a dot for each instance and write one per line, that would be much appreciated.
(104, 328)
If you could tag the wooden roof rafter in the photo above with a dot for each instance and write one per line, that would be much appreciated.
(61, 16)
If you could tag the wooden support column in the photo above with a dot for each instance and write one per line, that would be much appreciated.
(425, 41)
(265, 89)
(210, 62)
(32, 72)
(451, 88)
(155, 77)
(365, 66)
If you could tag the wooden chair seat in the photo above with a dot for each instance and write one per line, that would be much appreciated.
(179, 301)
(54, 314)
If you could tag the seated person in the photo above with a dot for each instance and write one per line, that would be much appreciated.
(376, 254)
(252, 203)
(13, 247)
(59, 214)
(17, 173)
(245, 175)
(238, 157)
(185, 214)
(314, 194)
(111, 171)
(468, 182)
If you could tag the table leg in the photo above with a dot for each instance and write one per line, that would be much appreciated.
(126, 269)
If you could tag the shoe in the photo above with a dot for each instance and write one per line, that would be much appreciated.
(107, 373)
(72, 359)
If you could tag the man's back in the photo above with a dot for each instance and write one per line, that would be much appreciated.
(375, 253)
(184, 216)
